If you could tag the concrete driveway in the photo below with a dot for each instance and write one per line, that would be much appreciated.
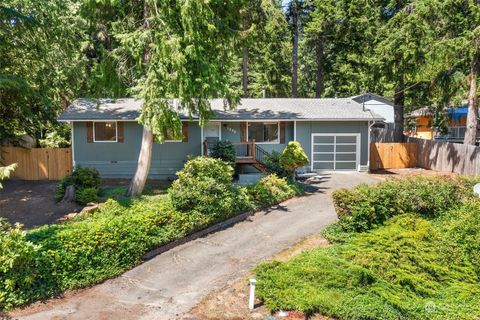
(172, 283)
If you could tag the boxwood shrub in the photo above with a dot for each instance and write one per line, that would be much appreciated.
(272, 189)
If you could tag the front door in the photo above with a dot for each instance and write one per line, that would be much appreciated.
(212, 134)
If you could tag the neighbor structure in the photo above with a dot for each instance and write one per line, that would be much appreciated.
(335, 134)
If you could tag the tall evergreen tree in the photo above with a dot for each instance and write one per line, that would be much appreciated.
(41, 66)
(185, 50)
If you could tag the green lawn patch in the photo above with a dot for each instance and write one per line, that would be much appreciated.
(418, 265)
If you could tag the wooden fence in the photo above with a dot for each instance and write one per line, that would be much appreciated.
(393, 155)
(448, 156)
(38, 163)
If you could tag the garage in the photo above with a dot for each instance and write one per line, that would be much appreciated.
(339, 151)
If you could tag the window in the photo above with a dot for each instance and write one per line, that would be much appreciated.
(263, 132)
(105, 131)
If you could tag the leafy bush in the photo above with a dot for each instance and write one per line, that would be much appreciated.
(81, 178)
(272, 162)
(422, 244)
(17, 265)
(5, 172)
(205, 185)
(366, 207)
(272, 189)
(86, 195)
(293, 157)
(407, 269)
(224, 150)
(54, 139)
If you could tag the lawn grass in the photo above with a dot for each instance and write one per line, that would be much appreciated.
(411, 267)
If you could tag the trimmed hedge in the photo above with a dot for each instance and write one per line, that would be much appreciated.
(46, 261)
(272, 189)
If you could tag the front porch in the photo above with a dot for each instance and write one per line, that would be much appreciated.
(247, 152)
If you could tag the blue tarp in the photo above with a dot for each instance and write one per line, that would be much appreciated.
(458, 112)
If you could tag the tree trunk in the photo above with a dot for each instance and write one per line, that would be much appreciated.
(245, 71)
(143, 166)
(472, 115)
(295, 49)
(145, 157)
(320, 86)
(398, 104)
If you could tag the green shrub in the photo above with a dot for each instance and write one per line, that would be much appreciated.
(272, 162)
(365, 207)
(81, 178)
(394, 272)
(17, 266)
(205, 185)
(86, 195)
(293, 157)
(272, 189)
(54, 139)
(224, 150)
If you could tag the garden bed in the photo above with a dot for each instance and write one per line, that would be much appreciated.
(98, 245)
(403, 249)
(33, 204)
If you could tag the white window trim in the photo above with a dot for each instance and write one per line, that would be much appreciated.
(267, 142)
(358, 150)
(105, 141)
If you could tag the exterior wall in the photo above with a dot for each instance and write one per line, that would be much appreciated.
(382, 109)
(119, 160)
(306, 128)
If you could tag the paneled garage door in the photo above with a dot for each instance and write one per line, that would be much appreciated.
(335, 151)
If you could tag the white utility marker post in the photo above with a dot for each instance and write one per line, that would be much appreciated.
(251, 300)
(476, 190)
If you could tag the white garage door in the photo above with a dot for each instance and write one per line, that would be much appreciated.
(335, 151)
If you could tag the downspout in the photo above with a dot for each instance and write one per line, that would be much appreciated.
(370, 125)
(72, 138)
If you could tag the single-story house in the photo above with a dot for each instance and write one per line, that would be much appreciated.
(335, 134)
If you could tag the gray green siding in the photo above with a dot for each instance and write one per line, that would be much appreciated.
(119, 160)
(306, 128)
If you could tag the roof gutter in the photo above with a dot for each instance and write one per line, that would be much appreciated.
(239, 120)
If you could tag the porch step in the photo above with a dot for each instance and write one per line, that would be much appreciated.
(249, 178)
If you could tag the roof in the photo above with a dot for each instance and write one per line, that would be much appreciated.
(371, 96)
(422, 112)
(248, 109)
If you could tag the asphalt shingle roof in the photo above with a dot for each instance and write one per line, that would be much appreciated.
(248, 109)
